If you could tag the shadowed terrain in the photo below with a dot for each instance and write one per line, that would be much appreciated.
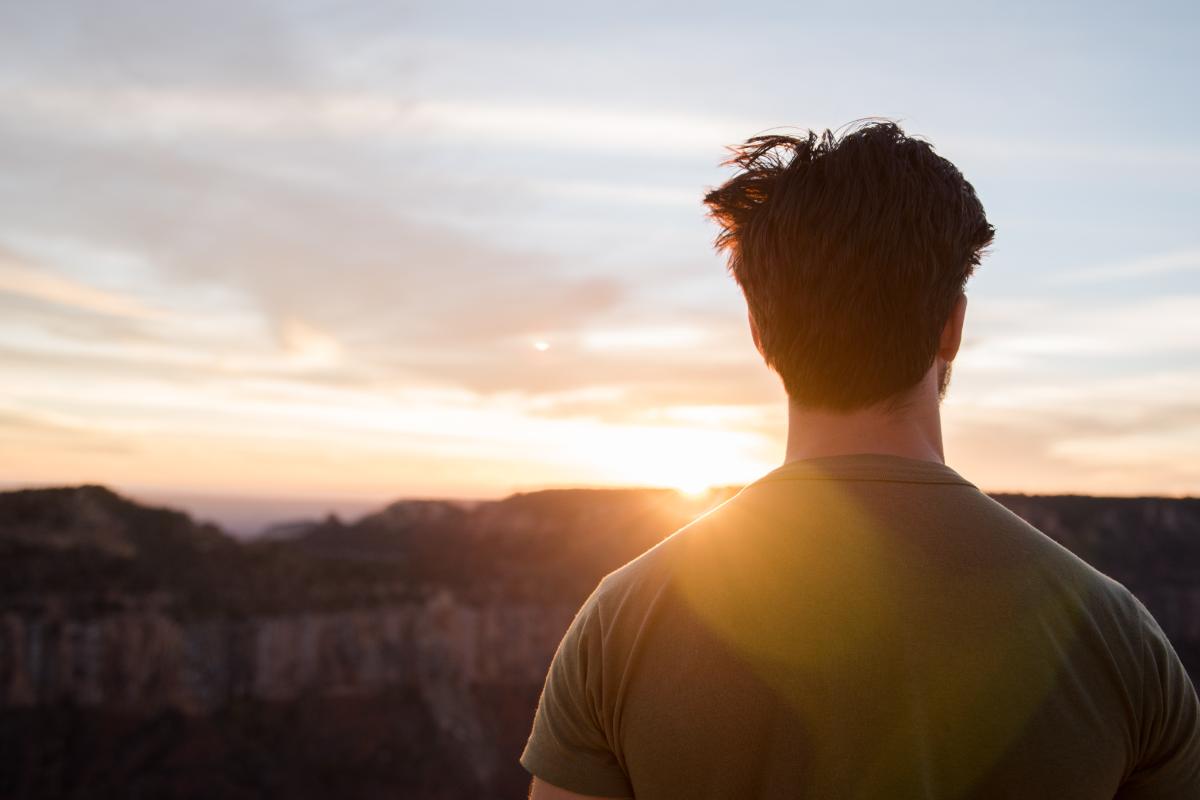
(145, 655)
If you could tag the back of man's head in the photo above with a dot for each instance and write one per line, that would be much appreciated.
(852, 252)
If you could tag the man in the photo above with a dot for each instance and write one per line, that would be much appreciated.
(861, 622)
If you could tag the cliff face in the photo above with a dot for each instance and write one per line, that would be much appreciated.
(144, 663)
(400, 654)
(143, 659)
(136, 643)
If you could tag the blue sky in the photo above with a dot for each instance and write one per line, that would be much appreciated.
(374, 250)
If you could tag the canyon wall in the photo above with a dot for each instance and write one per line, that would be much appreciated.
(142, 658)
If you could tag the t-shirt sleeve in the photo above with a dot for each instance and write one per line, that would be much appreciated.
(1168, 766)
(568, 746)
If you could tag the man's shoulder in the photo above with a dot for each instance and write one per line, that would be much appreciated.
(650, 571)
(733, 526)
(1058, 556)
(1109, 608)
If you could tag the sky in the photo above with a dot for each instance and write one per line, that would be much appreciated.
(350, 252)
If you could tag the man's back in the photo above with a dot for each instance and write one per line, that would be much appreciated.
(865, 626)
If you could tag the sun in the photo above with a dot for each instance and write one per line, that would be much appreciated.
(693, 488)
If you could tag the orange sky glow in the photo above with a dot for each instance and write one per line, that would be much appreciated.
(351, 257)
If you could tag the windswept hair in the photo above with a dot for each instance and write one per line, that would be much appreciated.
(851, 252)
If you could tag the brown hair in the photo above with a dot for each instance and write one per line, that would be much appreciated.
(851, 252)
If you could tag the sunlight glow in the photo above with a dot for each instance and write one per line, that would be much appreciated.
(693, 489)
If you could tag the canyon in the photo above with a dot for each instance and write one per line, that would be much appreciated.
(145, 654)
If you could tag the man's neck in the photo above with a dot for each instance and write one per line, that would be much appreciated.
(913, 432)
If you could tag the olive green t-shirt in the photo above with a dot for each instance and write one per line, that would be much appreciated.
(865, 626)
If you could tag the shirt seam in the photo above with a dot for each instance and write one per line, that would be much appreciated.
(1141, 710)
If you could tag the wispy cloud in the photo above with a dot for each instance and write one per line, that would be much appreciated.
(1055, 152)
(1024, 334)
(172, 113)
(1148, 266)
(25, 280)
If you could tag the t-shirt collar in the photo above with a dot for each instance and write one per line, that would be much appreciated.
(866, 467)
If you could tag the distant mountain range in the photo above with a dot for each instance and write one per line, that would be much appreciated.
(143, 654)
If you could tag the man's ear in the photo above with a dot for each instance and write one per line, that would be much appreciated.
(952, 331)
